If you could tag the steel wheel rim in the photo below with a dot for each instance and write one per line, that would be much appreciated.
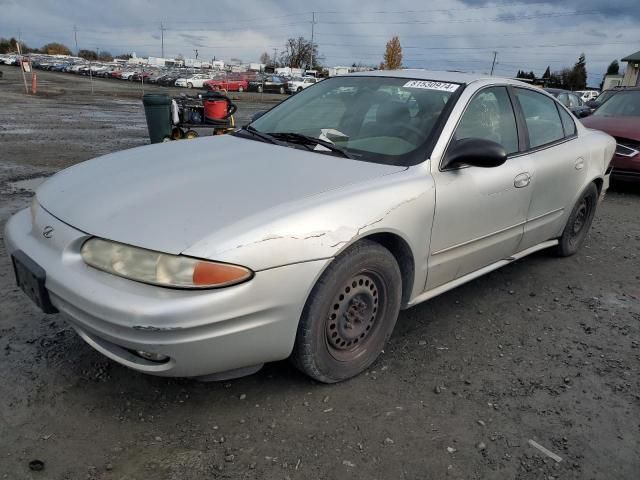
(355, 315)
(582, 218)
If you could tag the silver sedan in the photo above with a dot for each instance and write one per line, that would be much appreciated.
(302, 235)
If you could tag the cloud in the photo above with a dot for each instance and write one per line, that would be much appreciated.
(449, 34)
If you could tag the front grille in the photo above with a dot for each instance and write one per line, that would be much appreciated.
(627, 148)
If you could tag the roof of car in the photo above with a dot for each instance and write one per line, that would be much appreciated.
(558, 90)
(436, 75)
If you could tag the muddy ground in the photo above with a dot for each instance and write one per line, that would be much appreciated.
(544, 349)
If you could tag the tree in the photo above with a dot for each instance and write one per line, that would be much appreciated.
(547, 74)
(613, 68)
(124, 56)
(88, 54)
(105, 56)
(55, 48)
(577, 78)
(393, 54)
(265, 58)
(297, 53)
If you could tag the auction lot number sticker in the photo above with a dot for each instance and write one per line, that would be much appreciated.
(430, 85)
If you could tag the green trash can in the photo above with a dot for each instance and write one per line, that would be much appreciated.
(157, 109)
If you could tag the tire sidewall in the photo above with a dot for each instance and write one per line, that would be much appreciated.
(367, 257)
(566, 247)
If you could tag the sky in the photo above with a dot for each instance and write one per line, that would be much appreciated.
(438, 35)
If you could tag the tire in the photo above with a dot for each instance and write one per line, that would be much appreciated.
(240, 89)
(259, 88)
(349, 315)
(577, 227)
(282, 90)
(191, 134)
(189, 85)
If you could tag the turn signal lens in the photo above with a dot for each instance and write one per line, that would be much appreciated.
(148, 266)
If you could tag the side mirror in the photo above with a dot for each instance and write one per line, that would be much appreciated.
(476, 152)
(257, 115)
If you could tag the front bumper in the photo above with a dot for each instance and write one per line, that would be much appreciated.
(202, 332)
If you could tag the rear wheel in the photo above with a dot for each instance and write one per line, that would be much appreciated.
(349, 314)
(189, 85)
(259, 88)
(281, 90)
(240, 89)
(577, 227)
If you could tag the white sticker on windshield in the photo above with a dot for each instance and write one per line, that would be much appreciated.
(430, 85)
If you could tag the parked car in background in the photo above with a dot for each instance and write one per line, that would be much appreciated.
(571, 101)
(398, 186)
(603, 97)
(231, 84)
(137, 77)
(586, 95)
(192, 81)
(269, 83)
(297, 84)
(619, 116)
(127, 74)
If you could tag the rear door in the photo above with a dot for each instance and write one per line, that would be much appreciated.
(480, 212)
(557, 164)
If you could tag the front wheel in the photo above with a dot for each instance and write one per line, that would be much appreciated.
(259, 88)
(281, 90)
(189, 85)
(240, 89)
(577, 227)
(349, 314)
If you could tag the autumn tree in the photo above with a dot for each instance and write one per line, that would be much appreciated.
(55, 48)
(393, 54)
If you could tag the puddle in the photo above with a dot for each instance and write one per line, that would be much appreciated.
(29, 184)
(17, 131)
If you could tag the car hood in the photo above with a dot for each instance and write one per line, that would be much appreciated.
(168, 196)
(621, 127)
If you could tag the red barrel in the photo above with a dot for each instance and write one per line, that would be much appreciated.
(216, 109)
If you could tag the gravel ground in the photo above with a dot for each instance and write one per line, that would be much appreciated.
(545, 349)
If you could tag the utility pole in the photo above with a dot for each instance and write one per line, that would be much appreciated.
(196, 50)
(75, 37)
(162, 29)
(313, 23)
(493, 64)
(275, 56)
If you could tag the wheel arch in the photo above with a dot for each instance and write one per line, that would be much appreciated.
(403, 254)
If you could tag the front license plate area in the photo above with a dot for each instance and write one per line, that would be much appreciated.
(31, 277)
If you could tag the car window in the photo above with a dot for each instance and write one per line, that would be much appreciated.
(574, 101)
(563, 98)
(625, 103)
(379, 119)
(567, 122)
(541, 116)
(490, 116)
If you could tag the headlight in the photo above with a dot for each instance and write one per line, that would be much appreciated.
(148, 266)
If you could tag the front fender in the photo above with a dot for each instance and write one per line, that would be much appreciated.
(321, 226)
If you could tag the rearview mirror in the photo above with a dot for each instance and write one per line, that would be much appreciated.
(476, 152)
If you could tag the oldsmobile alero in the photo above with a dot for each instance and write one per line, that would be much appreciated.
(303, 234)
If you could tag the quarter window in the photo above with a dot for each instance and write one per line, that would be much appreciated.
(490, 116)
(574, 101)
(541, 116)
(568, 123)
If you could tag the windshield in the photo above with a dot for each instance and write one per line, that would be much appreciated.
(379, 119)
(622, 104)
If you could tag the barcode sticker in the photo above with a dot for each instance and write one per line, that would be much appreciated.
(431, 85)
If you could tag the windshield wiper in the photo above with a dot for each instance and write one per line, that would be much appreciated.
(306, 140)
(265, 137)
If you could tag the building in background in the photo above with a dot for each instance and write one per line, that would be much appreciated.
(632, 72)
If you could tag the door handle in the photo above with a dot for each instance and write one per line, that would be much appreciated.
(522, 180)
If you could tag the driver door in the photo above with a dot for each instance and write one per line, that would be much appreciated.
(480, 212)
